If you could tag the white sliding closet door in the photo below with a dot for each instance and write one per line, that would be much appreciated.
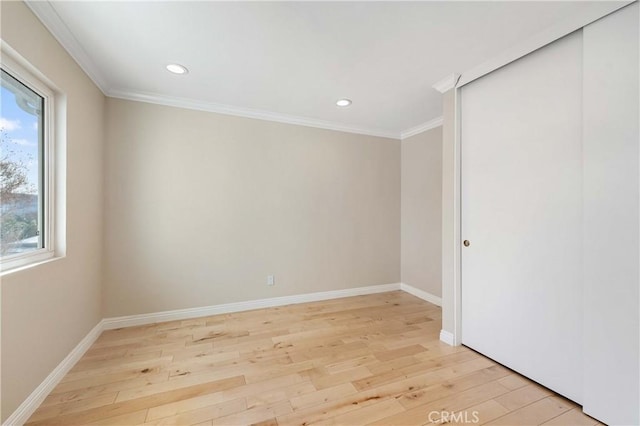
(522, 214)
(611, 211)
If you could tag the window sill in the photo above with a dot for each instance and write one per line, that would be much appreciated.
(20, 268)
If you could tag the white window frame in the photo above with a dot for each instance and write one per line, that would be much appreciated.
(48, 226)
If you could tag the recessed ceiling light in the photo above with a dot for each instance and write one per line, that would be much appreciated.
(343, 102)
(177, 69)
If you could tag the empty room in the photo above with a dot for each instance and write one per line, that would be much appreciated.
(308, 212)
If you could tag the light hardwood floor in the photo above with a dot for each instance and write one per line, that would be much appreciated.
(361, 360)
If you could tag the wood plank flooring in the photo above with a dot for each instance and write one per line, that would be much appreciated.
(372, 359)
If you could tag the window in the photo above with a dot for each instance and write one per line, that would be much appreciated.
(26, 176)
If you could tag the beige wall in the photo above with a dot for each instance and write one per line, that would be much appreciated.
(422, 211)
(201, 207)
(48, 309)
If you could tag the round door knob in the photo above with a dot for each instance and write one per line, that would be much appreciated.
(466, 243)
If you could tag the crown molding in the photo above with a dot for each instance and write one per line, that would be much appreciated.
(447, 83)
(172, 101)
(431, 124)
(47, 14)
(45, 11)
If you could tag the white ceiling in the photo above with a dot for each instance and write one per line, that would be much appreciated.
(290, 61)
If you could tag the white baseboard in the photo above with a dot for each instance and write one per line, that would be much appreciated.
(181, 314)
(421, 294)
(29, 406)
(447, 338)
(33, 401)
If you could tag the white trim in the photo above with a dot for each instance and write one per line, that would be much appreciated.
(173, 101)
(28, 75)
(447, 338)
(431, 124)
(574, 22)
(447, 83)
(46, 13)
(33, 401)
(181, 314)
(421, 294)
(457, 221)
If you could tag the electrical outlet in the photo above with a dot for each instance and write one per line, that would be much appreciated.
(271, 280)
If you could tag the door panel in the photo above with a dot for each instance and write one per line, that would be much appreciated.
(611, 207)
(522, 213)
